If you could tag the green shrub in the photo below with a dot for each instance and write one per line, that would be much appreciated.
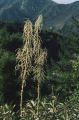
(6, 112)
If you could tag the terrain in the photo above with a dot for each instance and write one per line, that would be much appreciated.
(55, 15)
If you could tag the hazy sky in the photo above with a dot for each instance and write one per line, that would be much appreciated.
(65, 1)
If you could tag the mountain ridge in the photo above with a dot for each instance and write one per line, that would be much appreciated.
(55, 15)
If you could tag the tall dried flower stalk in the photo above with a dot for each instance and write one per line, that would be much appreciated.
(31, 52)
(40, 61)
(40, 57)
(24, 58)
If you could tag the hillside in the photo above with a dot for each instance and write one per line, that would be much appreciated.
(55, 15)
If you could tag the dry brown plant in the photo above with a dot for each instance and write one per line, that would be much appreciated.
(39, 72)
(31, 52)
(24, 58)
(40, 57)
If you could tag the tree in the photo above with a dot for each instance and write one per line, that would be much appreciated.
(7, 77)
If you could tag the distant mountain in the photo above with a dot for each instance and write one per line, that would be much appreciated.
(55, 15)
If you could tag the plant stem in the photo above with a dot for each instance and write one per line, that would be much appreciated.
(38, 97)
(21, 99)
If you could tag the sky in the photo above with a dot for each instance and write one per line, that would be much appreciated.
(65, 1)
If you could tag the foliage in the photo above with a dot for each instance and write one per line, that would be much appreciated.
(75, 64)
(7, 113)
(7, 79)
(50, 109)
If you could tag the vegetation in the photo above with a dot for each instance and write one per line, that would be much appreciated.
(59, 88)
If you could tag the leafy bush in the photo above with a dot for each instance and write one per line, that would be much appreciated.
(50, 109)
(6, 112)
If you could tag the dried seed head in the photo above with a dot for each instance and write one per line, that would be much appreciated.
(39, 22)
(24, 55)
